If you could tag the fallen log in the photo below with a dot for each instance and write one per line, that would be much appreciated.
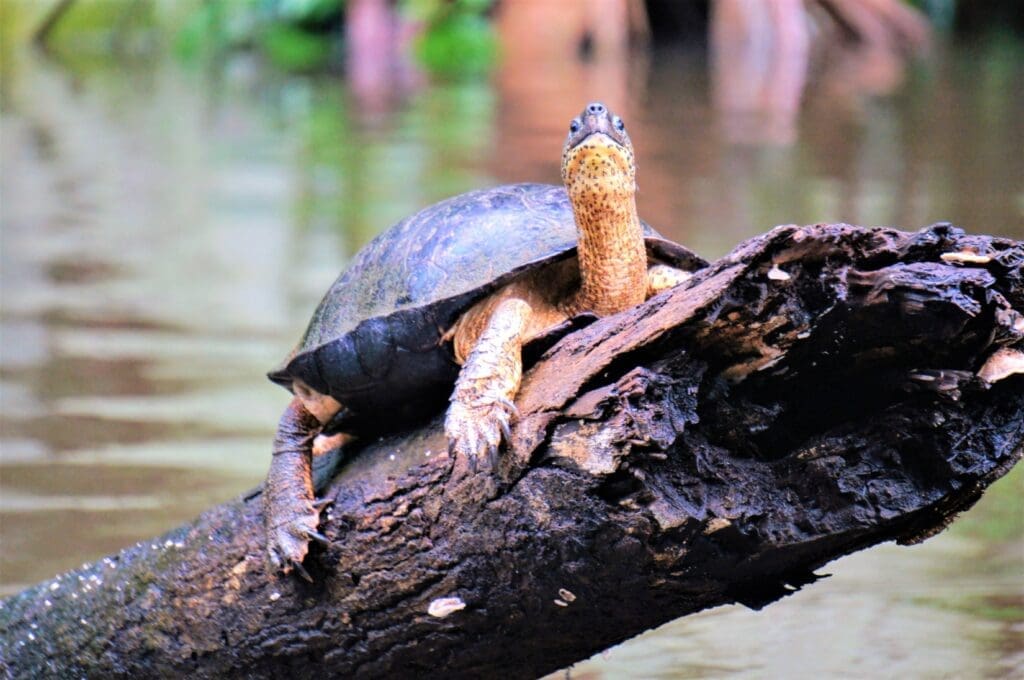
(817, 391)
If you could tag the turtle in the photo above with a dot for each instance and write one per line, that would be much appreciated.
(446, 304)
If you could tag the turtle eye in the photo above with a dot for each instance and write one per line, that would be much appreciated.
(619, 125)
(574, 127)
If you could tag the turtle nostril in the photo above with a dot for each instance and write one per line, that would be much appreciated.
(596, 108)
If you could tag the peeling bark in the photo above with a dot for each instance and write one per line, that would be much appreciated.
(817, 391)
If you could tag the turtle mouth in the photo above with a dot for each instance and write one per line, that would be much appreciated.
(592, 126)
(600, 136)
(596, 118)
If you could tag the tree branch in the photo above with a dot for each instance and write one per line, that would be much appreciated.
(41, 35)
(813, 393)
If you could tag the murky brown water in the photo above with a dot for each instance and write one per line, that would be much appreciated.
(167, 230)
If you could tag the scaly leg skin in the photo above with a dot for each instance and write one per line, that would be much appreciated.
(481, 405)
(291, 517)
(662, 277)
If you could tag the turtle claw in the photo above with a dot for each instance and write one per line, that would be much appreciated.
(509, 406)
(301, 571)
(506, 432)
(476, 431)
(288, 540)
(322, 503)
(492, 453)
(318, 537)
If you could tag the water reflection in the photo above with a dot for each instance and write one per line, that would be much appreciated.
(167, 231)
(378, 67)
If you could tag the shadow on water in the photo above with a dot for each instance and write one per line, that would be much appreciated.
(167, 230)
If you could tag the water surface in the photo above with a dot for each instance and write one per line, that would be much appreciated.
(167, 229)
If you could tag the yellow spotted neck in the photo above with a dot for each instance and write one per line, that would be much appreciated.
(612, 256)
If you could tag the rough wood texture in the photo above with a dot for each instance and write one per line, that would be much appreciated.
(811, 394)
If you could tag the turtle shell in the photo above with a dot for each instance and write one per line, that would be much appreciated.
(375, 341)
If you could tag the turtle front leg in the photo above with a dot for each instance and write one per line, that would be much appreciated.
(291, 516)
(481, 404)
(662, 277)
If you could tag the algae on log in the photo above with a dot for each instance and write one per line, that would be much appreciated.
(817, 391)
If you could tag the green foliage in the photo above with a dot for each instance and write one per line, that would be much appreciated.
(293, 49)
(283, 29)
(459, 44)
(429, 10)
(206, 30)
(308, 12)
(459, 39)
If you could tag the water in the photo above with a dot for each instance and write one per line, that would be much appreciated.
(166, 230)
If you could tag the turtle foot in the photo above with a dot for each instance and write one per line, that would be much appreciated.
(481, 410)
(475, 431)
(288, 540)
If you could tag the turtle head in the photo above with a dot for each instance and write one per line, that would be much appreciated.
(598, 155)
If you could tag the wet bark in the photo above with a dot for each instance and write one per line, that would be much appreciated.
(817, 391)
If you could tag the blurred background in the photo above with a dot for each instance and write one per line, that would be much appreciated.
(180, 180)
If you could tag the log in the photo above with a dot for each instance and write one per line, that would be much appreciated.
(817, 391)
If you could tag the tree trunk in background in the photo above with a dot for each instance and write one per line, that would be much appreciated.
(817, 391)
